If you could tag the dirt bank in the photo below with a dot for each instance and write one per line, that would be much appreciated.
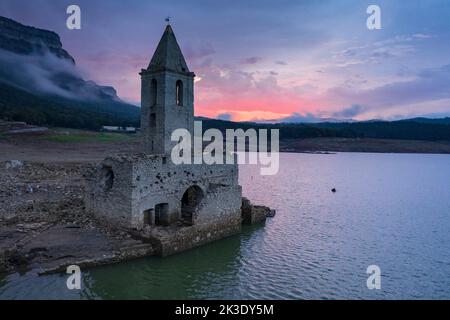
(69, 145)
(43, 224)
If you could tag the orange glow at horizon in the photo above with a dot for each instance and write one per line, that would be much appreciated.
(267, 107)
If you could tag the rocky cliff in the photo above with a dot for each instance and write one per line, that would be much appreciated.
(34, 59)
(21, 39)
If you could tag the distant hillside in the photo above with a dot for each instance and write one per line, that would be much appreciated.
(428, 120)
(40, 84)
(409, 129)
(51, 110)
(434, 130)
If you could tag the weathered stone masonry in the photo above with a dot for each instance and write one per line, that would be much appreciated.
(176, 207)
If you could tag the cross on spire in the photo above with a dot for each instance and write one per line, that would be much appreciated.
(168, 19)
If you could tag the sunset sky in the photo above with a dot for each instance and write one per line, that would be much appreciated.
(268, 60)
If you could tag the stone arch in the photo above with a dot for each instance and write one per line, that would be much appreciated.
(190, 201)
(153, 92)
(179, 93)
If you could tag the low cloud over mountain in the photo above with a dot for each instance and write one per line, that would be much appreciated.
(33, 60)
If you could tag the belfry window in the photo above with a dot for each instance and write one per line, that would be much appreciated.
(152, 120)
(179, 93)
(153, 92)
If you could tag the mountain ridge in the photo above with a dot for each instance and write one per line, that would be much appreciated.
(37, 75)
(22, 39)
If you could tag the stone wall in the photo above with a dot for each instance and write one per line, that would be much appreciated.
(108, 192)
(173, 240)
(167, 115)
(253, 214)
(143, 181)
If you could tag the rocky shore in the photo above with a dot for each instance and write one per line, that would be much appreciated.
(44, 225)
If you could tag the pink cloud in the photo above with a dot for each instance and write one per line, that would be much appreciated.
(246, 95)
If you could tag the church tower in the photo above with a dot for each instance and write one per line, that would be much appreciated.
(167, 96)
(173, 207)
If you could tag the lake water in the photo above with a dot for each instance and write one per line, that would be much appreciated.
(390, 210)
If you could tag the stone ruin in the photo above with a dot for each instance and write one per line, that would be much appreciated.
(175, 207)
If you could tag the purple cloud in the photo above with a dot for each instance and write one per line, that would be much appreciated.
(251, 60)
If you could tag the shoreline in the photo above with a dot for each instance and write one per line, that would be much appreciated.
(81, 146)
(45, 227)
(364, 145)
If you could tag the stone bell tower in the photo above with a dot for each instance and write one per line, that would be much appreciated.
(167, 96)
(173, 206)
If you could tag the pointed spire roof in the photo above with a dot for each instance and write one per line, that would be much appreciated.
(168, 55)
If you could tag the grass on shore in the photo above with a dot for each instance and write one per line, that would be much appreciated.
(70, 136)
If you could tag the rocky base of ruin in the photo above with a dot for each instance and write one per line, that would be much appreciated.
(174, 239)
(253, 214)
(44, 225)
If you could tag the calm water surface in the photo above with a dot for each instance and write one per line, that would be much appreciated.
(392, 210)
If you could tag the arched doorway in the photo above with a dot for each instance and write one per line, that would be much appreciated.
(189, 203)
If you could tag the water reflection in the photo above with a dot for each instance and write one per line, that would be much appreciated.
(199, 273)
(391, 210)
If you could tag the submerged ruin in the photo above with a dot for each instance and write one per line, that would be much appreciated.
(90, 210)
(174, 206)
